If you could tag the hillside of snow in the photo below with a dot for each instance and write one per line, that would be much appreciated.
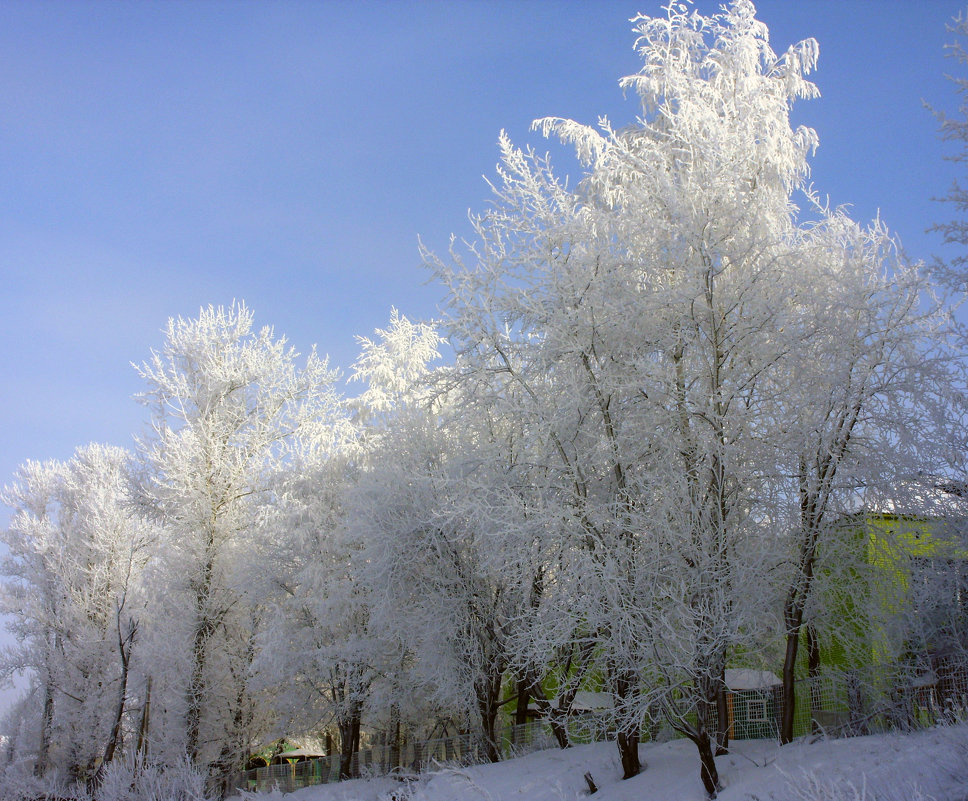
(930, 765)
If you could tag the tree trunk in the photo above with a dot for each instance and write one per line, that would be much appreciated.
(628, 750)
(707, 703)
(554, 715)
(142, 747)
(232, 757)
(193, 712)
(488, 691)
(487, 705)
(722, 720)
(124, 645)
(707, 770)
(524, 699)
(349, 735)
(205, 626)
(813, 677)
(793, 620)
(627, 739)
(47, 722)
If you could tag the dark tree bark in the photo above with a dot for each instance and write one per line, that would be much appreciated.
(488, 692)
(813, 676)
(523, 685)
(349, 735)
(627, 739)
(125, 644)
(722, 721)
(707, 771)
(628, 749)
(46, 724)
(141, 748)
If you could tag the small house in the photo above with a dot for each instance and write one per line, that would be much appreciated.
(753, 699)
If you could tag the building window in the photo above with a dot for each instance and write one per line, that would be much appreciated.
(756, 710)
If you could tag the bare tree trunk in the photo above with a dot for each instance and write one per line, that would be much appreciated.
(707, 770)
(788, 702)
(488, 702)
(722, 720)
(47, 722)
(349, 736)
(627, 738)
(141, 748)
(628, 750)
(813, 676)
(707, 704)
(125, 644)
(523, 684)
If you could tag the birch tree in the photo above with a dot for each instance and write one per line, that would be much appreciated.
(649, 320)
(444, 568)
(227, 402)
(953, 127)
(880, 410)
(77, 552)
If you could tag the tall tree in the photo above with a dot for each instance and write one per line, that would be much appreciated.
(874, 353)
(227, 402)
(76, 556)
(954, 128)
(649, 326)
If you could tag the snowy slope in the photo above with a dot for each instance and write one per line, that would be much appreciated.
(926, 765)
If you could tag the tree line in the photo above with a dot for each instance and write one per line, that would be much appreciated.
(665, 387)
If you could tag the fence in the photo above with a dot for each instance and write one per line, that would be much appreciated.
(837, 703)
(856, 702)
(411, 757)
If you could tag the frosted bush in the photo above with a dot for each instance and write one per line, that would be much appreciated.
(129, 781)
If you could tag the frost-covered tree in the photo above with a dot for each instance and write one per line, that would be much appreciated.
(436, 570)
(446, 577)
(873, 353)
(649, 326)
(31, 589)
(228, 403)
(954, 128)
(76, 556)
(318, 620)
(324, 605)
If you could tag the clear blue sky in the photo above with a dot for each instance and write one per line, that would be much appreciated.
(157, 157)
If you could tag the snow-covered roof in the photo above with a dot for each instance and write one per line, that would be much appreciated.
(586, 701)
(749, 679)
(299, 753)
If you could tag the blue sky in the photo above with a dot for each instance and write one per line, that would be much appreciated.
(157, 157)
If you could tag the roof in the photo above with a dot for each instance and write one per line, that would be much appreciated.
(586, 701)
(299, 753)
(749, 679)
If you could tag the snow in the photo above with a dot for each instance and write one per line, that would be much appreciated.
(298, 753)
(587, 701)
(748, 679)
(931, 764)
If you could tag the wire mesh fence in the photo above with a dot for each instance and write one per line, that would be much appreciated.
(874, 699)
(837, 703)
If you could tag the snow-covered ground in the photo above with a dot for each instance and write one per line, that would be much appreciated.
(925, 765)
